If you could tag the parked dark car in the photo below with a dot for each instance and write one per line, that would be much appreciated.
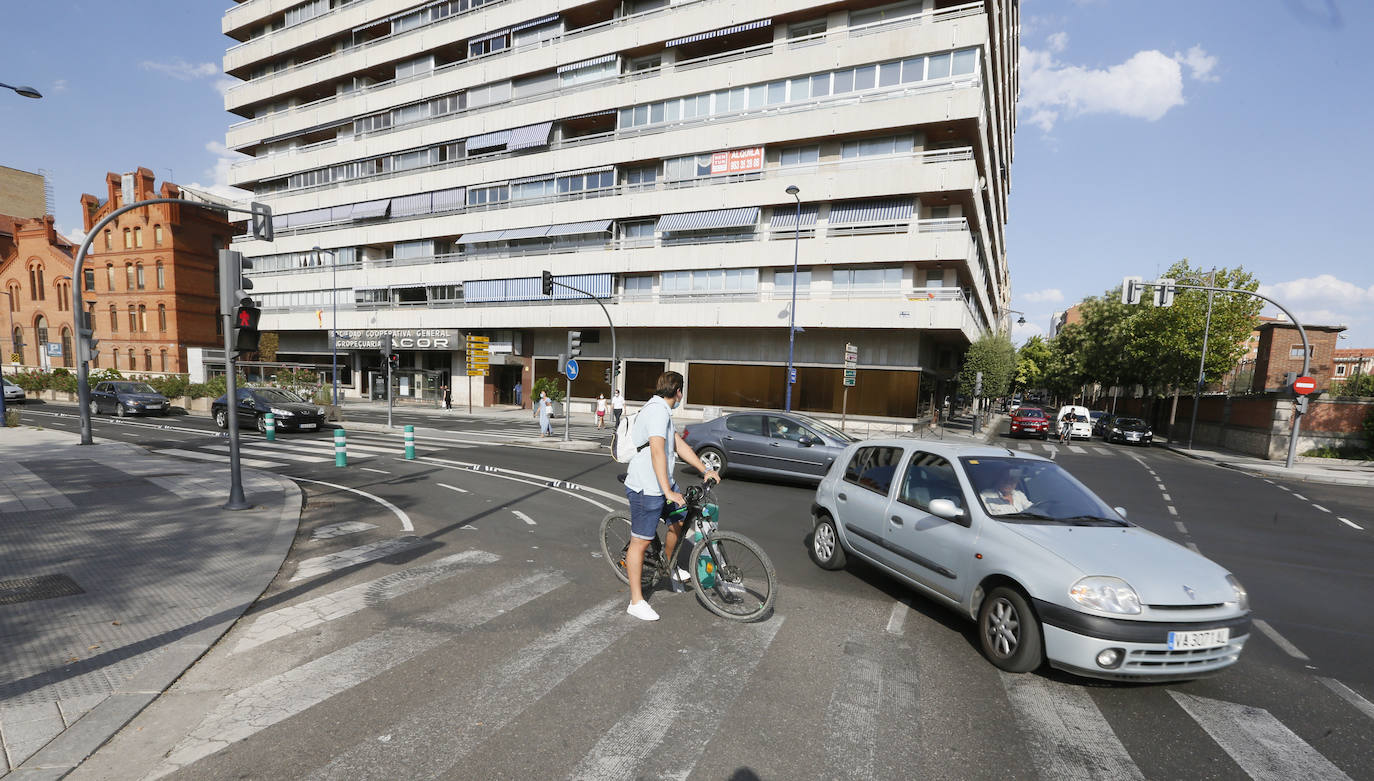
(1097, 418)
(1129, 430)
(1029, 422)
(781, 444)
(288, 411)
(124, 397)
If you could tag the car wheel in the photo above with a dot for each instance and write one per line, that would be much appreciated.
(222, 418)
(93, 407)
(1009, 632)
(712, 459)
(1045, 436)
(262, 425)
(826, 549)
(120, 411)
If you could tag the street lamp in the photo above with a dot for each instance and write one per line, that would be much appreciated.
(793, 191)
(1020, 320)
(9, 307)
(23, 91)
(334, 325)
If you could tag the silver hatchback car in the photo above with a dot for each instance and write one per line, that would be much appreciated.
(1047, 570)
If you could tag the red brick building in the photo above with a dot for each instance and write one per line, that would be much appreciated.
(151, 275)
(35, 275)
(1280, 351)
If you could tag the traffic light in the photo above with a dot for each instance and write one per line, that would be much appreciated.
(574, 344)
(1288, 379)
(262, 221)
(1301, 403)
(386, 346)
(246, 333)
(86, 342)
(608, 375)
(548, 283)
(393, 362)
(1164, 292)
(1131, 290)
(233, 285)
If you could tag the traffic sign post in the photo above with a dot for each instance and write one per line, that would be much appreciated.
(570, 370)
(479, 360)
(1304, 385)
(851, 376)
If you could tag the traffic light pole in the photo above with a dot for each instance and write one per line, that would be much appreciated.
(237, 501)
(615, 365)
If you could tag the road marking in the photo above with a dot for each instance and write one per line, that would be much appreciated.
(254, 708)
(1349, 695)
(1258, 742)
(1171, 510)
(341, 529)
(370, 469)
(1076, 449)
(1284, 487)
(638, 746)
(1102, 451)
(900, 610)
(1166, 498)
(1299, 496)
(1280, 640)
(536, 480)
(296, 618)
(452, 488)
(1319, 507)
(879, 687)
(1181, 528)
(406, 525)
(1023, 446)
(1161, 487)
(1350, 523)
(270, 453)
(1193, 547)
(199, 456)
(1068, 737)
(362, 554)
(523, 517)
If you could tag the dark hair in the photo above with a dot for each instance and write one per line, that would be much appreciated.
(669, 383)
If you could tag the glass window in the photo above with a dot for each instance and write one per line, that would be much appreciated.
(133, 322)
(889, 73)
(656, 113)
(929, 477)
(801, 90)
(865, 77)
(873, 468)
(745, 424)
(788, 429)
(844, 81)
(114, 318)
(777, 92)
(129, 276)
(782, 280)
(939, 66)
(758, 96)
(965, 61)
(162, 317)
(801, 155)
(138, 237)
(157, 235)
(138, 274)
(161, 276)
(913, 69)
(128, 239)
(820, 85)
(935, 278)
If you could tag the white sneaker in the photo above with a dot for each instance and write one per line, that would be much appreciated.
(682, 576)
(642, 611)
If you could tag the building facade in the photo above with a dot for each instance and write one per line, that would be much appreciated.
(35, 280)
(442, 156)
(22, 194)
(1353, 362)
(1280, 351)
(150, 277)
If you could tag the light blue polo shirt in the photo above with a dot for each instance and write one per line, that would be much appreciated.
(654, 419)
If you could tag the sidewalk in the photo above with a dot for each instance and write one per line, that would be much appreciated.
(118, 570)
(1310, 470)
(520, 425)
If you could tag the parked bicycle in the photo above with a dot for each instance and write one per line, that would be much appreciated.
(730, 573)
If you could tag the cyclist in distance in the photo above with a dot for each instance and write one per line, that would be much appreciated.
(649, 485)
(1066, 427)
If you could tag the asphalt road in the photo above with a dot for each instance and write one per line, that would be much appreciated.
(490, 641)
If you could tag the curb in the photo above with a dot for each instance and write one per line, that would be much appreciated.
(1303, 477)
(547, 444)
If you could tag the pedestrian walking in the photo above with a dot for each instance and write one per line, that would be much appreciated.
(517, 393)
(545, 416)
(538, 404)
(600, 411)
(448, 397)
(617, 407)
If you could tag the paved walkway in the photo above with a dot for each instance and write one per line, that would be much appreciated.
(118, 569)
(1330, 471)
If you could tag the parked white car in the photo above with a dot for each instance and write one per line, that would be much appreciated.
(1048, 571)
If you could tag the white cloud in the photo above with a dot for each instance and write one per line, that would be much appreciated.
(1323, 300)
(182, 70)
(219, 173)
(1040, 296)
(1020, 333)
(59, 86)
(1145, 86)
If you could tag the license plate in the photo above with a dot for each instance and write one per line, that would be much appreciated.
(309, 425)
(1133, 437)
(153, 406)
(1206, 638)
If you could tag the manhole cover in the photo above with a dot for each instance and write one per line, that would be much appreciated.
(12, 592)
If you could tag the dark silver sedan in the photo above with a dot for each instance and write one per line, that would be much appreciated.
(127, 398)
(778, 444)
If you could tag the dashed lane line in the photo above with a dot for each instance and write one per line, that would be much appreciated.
(406, 525)
(370, 469)
(1194, 548)
(362, 554)
(1181, 528)
(1350, 523)
(563, 487)
(1171, 509)
(523, 517)
(897, 620)
(1167, 498)
(452, 488)
(1319, 507)
(1279, 640)
(1349, 695)
(1299, 496)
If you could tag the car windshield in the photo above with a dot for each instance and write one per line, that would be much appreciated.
(828, 430)
(1130, 424)
(1018, 490)
(1032, 412)
(133, 387)
(275, 395)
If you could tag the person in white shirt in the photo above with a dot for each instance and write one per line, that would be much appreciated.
(600, 410)
(1003, 496)
(617, 407)
(649, 485)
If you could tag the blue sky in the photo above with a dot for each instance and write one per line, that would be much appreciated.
(1225, 132)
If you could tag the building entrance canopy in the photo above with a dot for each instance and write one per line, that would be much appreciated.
(402, 339)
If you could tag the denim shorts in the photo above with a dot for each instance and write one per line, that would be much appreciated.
(646, 511)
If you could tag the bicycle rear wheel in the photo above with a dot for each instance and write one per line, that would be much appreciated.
(733, 577)
(615, 540)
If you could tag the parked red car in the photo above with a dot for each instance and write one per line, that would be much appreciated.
(1030, 422)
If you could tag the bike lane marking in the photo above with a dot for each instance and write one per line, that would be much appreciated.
(539, 481)
(406, 525)
(523, 517)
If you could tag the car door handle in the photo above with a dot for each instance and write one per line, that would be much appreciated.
(842, 497)
(896, 520)
(729, 439)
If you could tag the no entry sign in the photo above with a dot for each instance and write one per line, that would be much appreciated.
(1304, 385)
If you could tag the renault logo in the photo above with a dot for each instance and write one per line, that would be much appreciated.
(1190, 592)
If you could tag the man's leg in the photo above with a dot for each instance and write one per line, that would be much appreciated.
(634, 568)
(670, 545)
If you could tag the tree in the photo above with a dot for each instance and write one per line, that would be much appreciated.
(267, 346)
(1032, 360)
(994, 356)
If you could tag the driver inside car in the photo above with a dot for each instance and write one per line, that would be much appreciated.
(1002, 494)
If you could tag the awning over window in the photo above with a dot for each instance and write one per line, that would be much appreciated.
(610, 112)
(307, 131)
(489, 36)
(535, 22)
(739, 28)
(488, 140)
(586, 63)
(337, 213)
(700, 221)
(786, 216)
(573, 228)
(529, 136)
(448, 200)
(892, 210)
(411, 205)
(371, 210)
(478, 237)
(524, 233)
(528, 288)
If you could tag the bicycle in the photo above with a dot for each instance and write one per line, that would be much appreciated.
(730, 573)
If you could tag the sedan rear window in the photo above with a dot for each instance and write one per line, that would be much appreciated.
(745, 424)
(272, 394)
(873, 468)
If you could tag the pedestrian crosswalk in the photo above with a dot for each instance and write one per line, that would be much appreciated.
(685, 703)
(1054, 448)
(262, 454)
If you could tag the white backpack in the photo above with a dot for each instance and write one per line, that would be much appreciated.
(622, 449)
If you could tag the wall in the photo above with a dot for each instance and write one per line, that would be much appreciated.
(21, 194)
(1257, 425)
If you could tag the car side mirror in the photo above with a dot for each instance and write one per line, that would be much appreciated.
(1120, 511)
(944, 508)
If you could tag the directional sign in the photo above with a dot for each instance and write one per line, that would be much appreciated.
(792, 380)
(571, 369)
(1304, 385)
(851, 357)
(849, 381)
(477, 372)
(850, 374)
(851, 348)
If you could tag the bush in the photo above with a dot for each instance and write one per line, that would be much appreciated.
(548, 385)
(11, 417)
(1369, 428)
(31, 381)
(1352, 452)
(173, 386)
(106, 375)
(62, 380)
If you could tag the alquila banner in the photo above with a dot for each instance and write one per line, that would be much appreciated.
(402, 339)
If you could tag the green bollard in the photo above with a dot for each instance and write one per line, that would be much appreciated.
(270, 427)
(340, 448)
(410, 443)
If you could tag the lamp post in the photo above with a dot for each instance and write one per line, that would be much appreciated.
(27, 92)
(9, 307)
(334, 325)
(793, 191)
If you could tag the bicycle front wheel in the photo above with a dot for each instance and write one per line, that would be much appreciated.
(733, 577)
(615, 540)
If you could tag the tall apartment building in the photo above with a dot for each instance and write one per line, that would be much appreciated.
(443, 154)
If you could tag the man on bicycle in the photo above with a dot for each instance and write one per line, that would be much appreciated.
(1066, 426)
(649, 485)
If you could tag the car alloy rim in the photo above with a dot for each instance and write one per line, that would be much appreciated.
(94, 408)
(1004, 628)
(711, 460)
(825, 541)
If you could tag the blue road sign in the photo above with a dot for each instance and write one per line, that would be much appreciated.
(571, 369)
(793, 378)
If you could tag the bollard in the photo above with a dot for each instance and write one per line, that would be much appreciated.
(270, 427)
(410, 443)
(340, 448)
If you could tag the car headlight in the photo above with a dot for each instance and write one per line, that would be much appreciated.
(319, 411)
(133, 402)
(1242, 596)
(282, 413)
(1109, 595)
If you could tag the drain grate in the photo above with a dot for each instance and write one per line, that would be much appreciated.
(12, 592)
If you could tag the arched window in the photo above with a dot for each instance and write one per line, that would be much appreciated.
(128, 276)
(114, 318)
(163, 357)
(17, 339)
(36, 283)
(138, 273)
(107, 239)
(138, 237)
(157, 235)
(68, 355)
(142, 318)
(40, 334)
(147, 360)
(110, 276)
(128, 240)
(161, 275)
(162, 317)
(133, 364)
(64, 296)
(133, 321)
(13, 290)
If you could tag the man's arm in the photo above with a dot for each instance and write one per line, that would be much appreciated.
(658, 453)
(685, 452)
